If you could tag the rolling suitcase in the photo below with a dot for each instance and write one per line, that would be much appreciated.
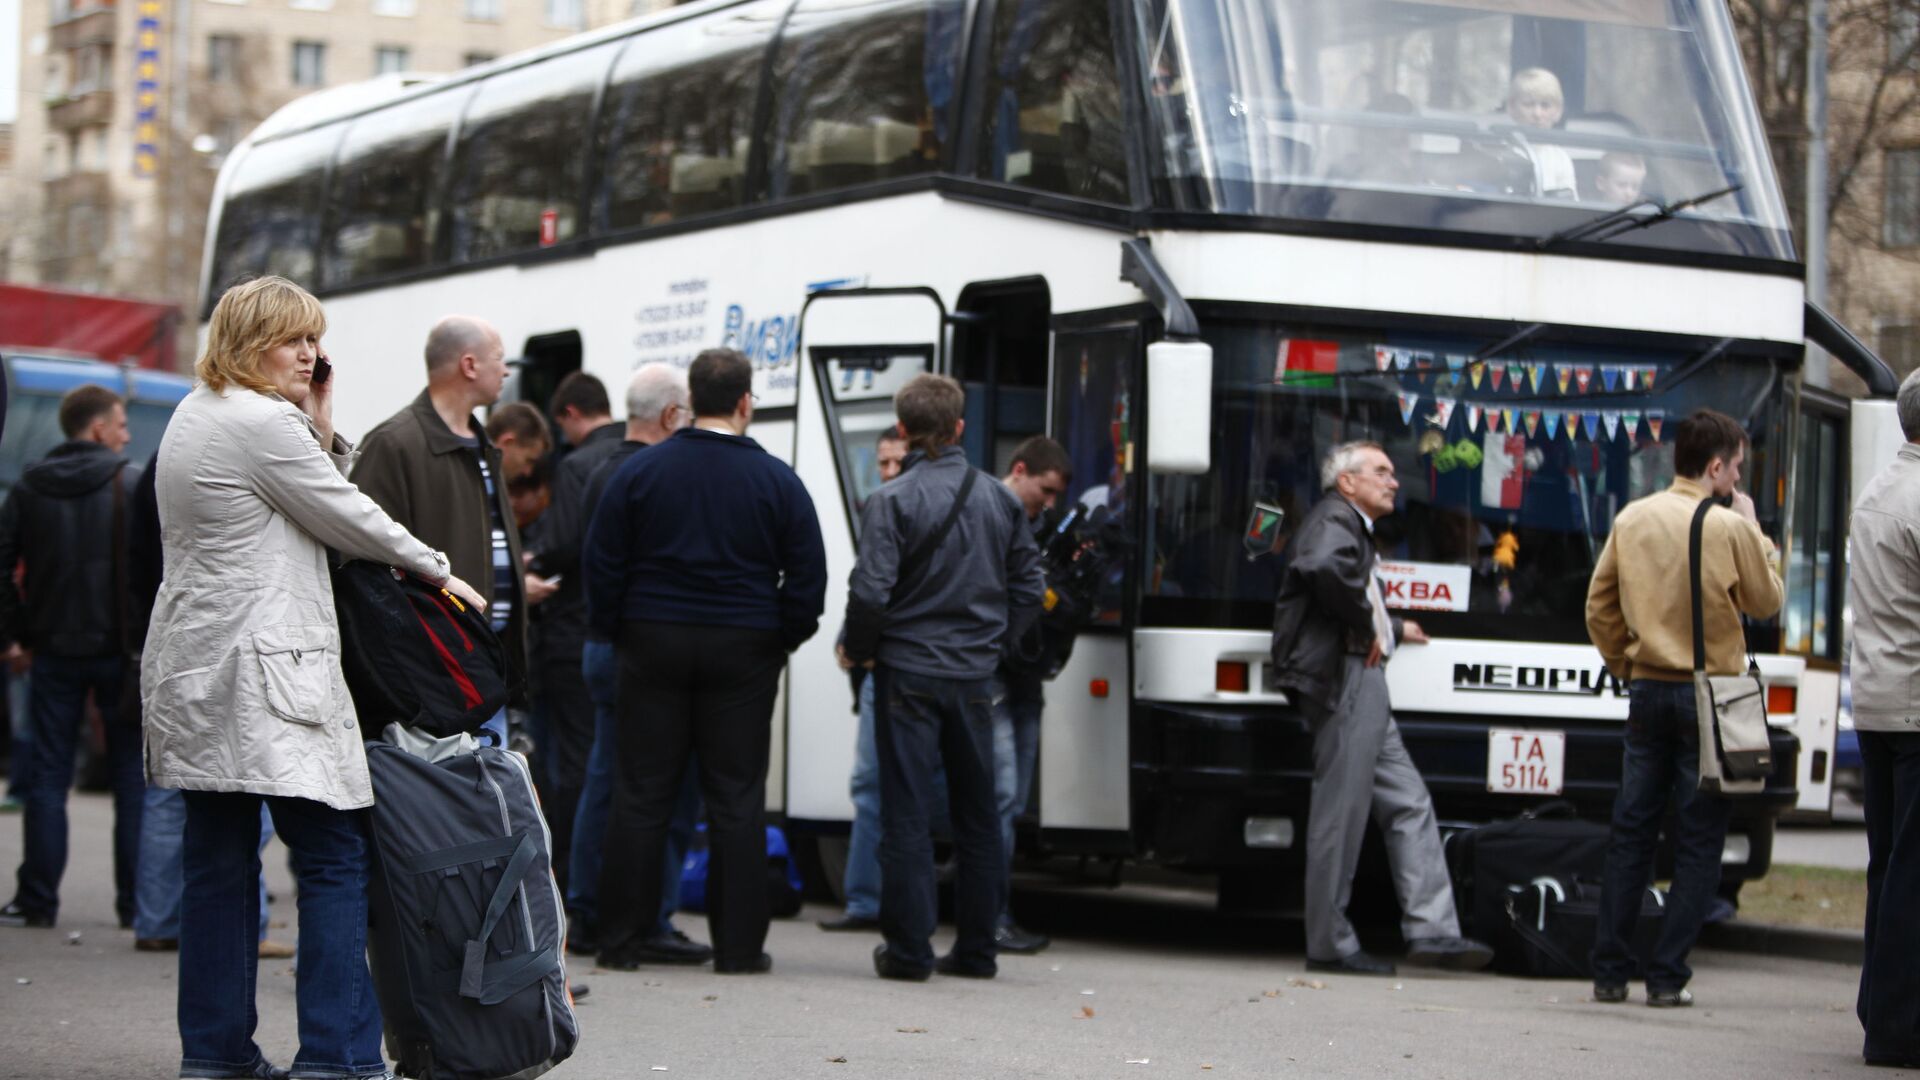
(1485, 863)
(467, 930)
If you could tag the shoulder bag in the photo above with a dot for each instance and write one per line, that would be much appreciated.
(1735, 755)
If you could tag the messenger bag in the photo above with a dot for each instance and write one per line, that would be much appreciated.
(1735, 755)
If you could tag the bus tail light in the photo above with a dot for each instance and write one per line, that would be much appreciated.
(1098, 688)
(1783, 699)
(1230, 676)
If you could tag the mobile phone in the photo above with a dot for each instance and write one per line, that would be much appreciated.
(322, 370)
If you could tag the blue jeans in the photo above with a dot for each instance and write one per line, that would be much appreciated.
(163, 825)
(862, 881)
(1661, 762)
(59, 698)
(20, 721)
(601, 668)
(339, 1018)
(922, 723)
(1016, 750)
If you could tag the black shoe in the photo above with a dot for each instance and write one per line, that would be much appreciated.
(672, 948)
(15, 915)
(583, 938)
(1669, 999)
(951, 964)
(850, 923)
(888, 966)
(1609, 993)
(1451, 953)
(758, 965)
(617, 960)
(578, 991)
(156, 944)
(1892, 1062)
(1011, 938)
(1357, 962)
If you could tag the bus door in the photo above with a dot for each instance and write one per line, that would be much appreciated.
(859, 346)
(1815, 577)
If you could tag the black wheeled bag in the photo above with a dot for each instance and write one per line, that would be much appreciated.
(415, 655)
(1486, 862)
(1553, 922)
(467, 931)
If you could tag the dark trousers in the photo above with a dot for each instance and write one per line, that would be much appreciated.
(1889, 1006)
(704, 691)
(920, 724)
(219, 937)
(566, 712)
(59, 698)
(1661, 762)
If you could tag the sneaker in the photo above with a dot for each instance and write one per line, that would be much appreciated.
(1449, 953)
(1010, 937)
(1609, 993)
(261, 1070)
(15, 915)
(1669, 999)
(274, 950)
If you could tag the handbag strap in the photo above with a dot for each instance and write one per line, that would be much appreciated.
(916, 559)
(1693, 584)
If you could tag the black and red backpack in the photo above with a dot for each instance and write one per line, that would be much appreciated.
(414, 654)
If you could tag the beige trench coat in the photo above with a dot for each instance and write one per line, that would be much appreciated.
(241, 677)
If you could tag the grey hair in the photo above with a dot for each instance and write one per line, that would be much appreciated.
(1907, 405)
(456, 336)
(1344, 459)
(654, 387)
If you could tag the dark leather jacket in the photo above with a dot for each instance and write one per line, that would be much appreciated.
(60, 522)
(1321, 612)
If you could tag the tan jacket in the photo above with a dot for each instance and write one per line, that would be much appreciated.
(1883, 592)
(241, 676)
(1639, 607)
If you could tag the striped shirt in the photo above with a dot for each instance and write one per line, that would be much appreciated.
(504, 583)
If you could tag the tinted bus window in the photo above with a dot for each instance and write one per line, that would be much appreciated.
(1052, 111)
(520, 167)
(863, 92)
(383, 202)
(270, 223)
(678, 120)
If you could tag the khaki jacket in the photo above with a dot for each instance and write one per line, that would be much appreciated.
(1640, 607)
(241, 677)
(423, 475)
(1883, 592)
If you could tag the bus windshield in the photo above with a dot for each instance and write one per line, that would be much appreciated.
(1510, 117)
(1511, 468)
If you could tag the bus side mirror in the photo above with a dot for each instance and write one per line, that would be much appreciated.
(1180, 397)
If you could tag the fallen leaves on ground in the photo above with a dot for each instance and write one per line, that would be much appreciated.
(1086, 1013)
(1310, 984)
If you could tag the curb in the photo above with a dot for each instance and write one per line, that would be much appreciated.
(1766, 939)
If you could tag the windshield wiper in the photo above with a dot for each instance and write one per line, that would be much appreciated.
(1624, 220)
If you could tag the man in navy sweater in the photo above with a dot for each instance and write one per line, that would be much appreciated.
(704, 565)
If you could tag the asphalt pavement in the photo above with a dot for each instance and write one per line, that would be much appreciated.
(1138, 983)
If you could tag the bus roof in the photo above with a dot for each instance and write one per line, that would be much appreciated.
(43, 374)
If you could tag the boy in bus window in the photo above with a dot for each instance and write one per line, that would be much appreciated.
(1621, 178)
(1534, 101)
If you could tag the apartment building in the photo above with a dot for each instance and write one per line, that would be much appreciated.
(127, 108)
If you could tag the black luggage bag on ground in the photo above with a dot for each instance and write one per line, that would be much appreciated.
(467, 927)
(1551, 924)
(1486, 862)
(415, 655)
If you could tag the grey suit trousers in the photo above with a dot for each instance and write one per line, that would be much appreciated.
(1360, 766)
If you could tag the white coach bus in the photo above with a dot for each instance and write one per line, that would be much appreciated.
(1196, 241)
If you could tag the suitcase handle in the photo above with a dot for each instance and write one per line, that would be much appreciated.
(473, 971)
